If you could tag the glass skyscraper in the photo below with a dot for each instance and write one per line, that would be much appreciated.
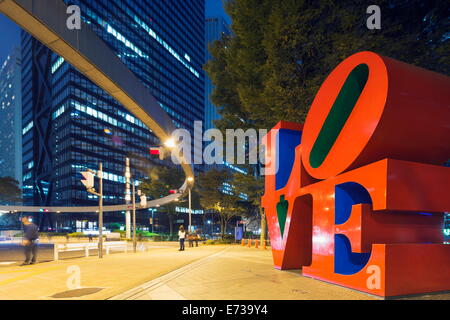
(11, 117)
(215, 28)
(71, 125)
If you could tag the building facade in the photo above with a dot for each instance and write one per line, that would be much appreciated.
(11, 117)
(215, 28)
(71, 125)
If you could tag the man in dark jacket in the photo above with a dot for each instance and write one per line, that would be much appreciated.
(30, 237)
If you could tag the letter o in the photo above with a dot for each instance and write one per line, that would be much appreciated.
(370, 108)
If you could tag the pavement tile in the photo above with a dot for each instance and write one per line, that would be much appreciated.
(207, 272)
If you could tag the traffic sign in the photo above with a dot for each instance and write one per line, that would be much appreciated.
(143, 201)
(88, 179)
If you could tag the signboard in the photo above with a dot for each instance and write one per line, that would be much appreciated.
(238, 233)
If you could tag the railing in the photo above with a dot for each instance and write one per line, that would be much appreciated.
(65, 247)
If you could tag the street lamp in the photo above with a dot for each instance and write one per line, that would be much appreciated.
(134, 217)
(170, 143)
(190, 180)
(127, 197)
(190, 212)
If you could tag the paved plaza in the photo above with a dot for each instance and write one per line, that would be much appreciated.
(161, 272)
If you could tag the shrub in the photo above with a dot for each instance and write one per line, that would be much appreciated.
(76, 234)
(213, 242)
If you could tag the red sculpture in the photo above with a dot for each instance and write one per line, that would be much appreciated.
(356, 196)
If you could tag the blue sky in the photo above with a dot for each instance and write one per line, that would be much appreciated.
(10, 32)
(215, 8)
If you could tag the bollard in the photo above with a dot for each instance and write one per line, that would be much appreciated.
(256, 244)
(249, 243)
(264, 245)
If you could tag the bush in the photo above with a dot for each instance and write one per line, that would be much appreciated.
(228, 237)
(52, 234)
(76, 234)
(213, 242)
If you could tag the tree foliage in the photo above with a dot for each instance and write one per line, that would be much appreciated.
(281, 51)
(158, 185)
(253, 187)
(210, 186)
(160, 181)
(9, 191)
(250, 185)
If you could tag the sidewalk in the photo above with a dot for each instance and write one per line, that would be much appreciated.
(112, 275)
(164, 273)
(238, 273)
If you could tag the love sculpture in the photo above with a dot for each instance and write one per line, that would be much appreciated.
(356, 196)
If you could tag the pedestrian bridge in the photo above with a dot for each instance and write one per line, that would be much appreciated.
(83, 49)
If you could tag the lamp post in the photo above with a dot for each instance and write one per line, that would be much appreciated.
(127, 197)
(100, 212)
(190, 212)
(190, 180)
(134, 218)
(89, 184)
(153, 219)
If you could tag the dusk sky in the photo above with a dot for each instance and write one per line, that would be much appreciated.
(10, 32)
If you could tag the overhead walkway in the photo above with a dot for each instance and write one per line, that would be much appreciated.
(83, 49)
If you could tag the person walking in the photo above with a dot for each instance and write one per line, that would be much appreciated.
(29, 242)
(181, 236)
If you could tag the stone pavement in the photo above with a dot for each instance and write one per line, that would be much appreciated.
(163, 273)
(238, 273)
(110, 276)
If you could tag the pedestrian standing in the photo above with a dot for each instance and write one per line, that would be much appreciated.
(29, 242)
(181, 236)
(191, 240)
(196, 238)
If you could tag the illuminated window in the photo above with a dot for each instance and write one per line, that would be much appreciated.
(57, 64)
(27, 128)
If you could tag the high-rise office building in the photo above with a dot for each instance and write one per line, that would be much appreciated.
(215, 28)
(11, 117)
(71, 125)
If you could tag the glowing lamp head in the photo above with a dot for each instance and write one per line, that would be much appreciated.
(170, 143)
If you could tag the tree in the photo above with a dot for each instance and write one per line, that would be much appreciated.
(253, 187)
(282, 50)
(10, 220)
(9, 191)
(159, 183)
(213, 196)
